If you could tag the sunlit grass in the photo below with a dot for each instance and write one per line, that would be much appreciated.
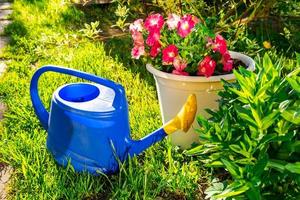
(47, 32)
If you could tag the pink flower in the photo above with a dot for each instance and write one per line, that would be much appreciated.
(218, 45)
(180, 73)
(221, 45)
(153, 37)
(154, 21)
(227, 66)
(155, 49)
(186, 24)
(137, 37)
(210, 42)
(195, 19)
(226, 56)
(173, 21)
(227, 62)
(179, 64)
(137, 51)
(137, 25)
(207, 66)
(169, 54)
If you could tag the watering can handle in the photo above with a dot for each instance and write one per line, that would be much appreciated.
(39, 108)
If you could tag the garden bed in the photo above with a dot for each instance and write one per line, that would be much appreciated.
(49, 32)
(22, 142)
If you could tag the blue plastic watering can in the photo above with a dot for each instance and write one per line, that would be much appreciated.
(88, 123)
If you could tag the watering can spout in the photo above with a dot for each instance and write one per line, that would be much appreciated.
(182, 121)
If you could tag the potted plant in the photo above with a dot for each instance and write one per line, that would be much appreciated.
(185, 57)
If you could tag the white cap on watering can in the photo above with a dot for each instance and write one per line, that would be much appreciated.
(94, 97)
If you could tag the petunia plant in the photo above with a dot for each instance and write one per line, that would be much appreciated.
(182, 45)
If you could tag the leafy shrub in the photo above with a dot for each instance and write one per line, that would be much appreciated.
(255, 135)
(91, 30)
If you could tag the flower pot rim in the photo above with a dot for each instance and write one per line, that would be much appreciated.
(236, 55)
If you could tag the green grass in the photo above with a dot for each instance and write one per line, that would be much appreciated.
(47, 32)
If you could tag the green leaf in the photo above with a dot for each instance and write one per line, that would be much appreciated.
(298, 59)
(195, 151)
(243, 97)
(267, 63)
(276, 164)
(292, 115)
(245, 114)
(203, 122)
(293, 167)
(256, 117)
(246, 87)
(234, 189)
(232, 168)
(236, 148)
(269, 119)
(245, 161)
(260, 94)
(294, 81)
(259, 168)
(215, 164)
(253, 193)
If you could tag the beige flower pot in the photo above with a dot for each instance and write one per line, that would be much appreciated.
(173, 91)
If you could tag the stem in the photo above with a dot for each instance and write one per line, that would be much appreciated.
(198, 13)
(180, 6)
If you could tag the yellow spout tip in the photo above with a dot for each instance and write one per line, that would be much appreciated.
(184, 118)
(188, 112)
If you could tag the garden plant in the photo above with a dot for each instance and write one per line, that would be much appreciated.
(256, 128)
(180, 45)
(255, 135)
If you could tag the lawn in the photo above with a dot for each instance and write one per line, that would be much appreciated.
(47, 32)
(53, 32)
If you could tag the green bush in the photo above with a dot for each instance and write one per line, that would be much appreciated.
(254, 136)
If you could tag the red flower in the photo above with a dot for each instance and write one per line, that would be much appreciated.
(169, 54)
(180, 73)
(155, 49)
(218, 45)
(207, 66)
(137, 51)
(226, 56)
(155, 21)
(227, 66)
(153, 37)
(186, 24)
(227, 62)
(221, 45)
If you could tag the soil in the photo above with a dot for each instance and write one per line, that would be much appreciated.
(2, 166)
(202, 186)
(168, 195)
(104, 195)
(2, 110)
(238, 63)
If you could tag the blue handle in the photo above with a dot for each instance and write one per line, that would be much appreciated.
(38, 106)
